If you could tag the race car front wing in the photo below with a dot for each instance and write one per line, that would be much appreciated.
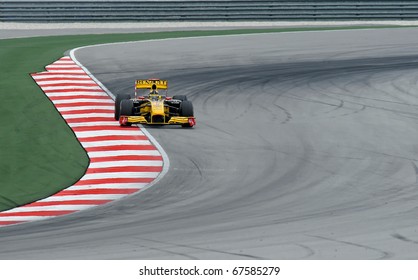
(128, 120)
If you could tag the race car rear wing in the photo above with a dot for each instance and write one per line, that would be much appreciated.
(148, 84)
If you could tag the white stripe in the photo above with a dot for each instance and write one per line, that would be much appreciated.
(124, 153)
(62, 66)
(76, 93)
(25, 218)
(84, 197)
(126, 163)
(109, 186)
(53, 76)
(111, 124)
(104, 101)
(107, 132)
(64, 59)
(89, 115)
(49, 208)
(116, 175)
(58, 82)
(71, 87)
(115, 143)
(64, 62)
(78, 108)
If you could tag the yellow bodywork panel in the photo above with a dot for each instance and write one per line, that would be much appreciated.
(157, 108)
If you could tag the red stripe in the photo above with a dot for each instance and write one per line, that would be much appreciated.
(71, 90)
(75, 112)
(97, 191)
(80, 104)
(70, 202)
(59, 73)
(69, 97)
(102, 127)
(38, 213)
(93, 119)
(113, 181)
(112, 138)
(125, 169)
(118, 158)
(6, 223)
(121, 148)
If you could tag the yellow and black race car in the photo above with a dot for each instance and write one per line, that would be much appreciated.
(153, 108)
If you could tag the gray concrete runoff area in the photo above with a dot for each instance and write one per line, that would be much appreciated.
(21, 29)
(305, 148)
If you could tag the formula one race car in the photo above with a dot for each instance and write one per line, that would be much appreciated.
(153, 108)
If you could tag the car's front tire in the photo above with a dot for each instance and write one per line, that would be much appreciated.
(119, 98)
(126, 108)
(186, 110)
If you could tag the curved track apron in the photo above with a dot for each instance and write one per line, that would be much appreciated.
(122, 160)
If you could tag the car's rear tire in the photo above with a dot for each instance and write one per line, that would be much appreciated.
(119, 98)
(180, 97)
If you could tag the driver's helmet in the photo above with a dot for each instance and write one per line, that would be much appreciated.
(154, 90)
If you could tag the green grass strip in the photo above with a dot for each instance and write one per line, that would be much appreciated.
(39, 154)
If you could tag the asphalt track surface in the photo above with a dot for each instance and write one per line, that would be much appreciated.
(306, 147)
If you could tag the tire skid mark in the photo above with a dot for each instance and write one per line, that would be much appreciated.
(383, 254)
(122, 160)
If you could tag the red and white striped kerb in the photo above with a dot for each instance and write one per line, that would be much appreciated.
(122, 159)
